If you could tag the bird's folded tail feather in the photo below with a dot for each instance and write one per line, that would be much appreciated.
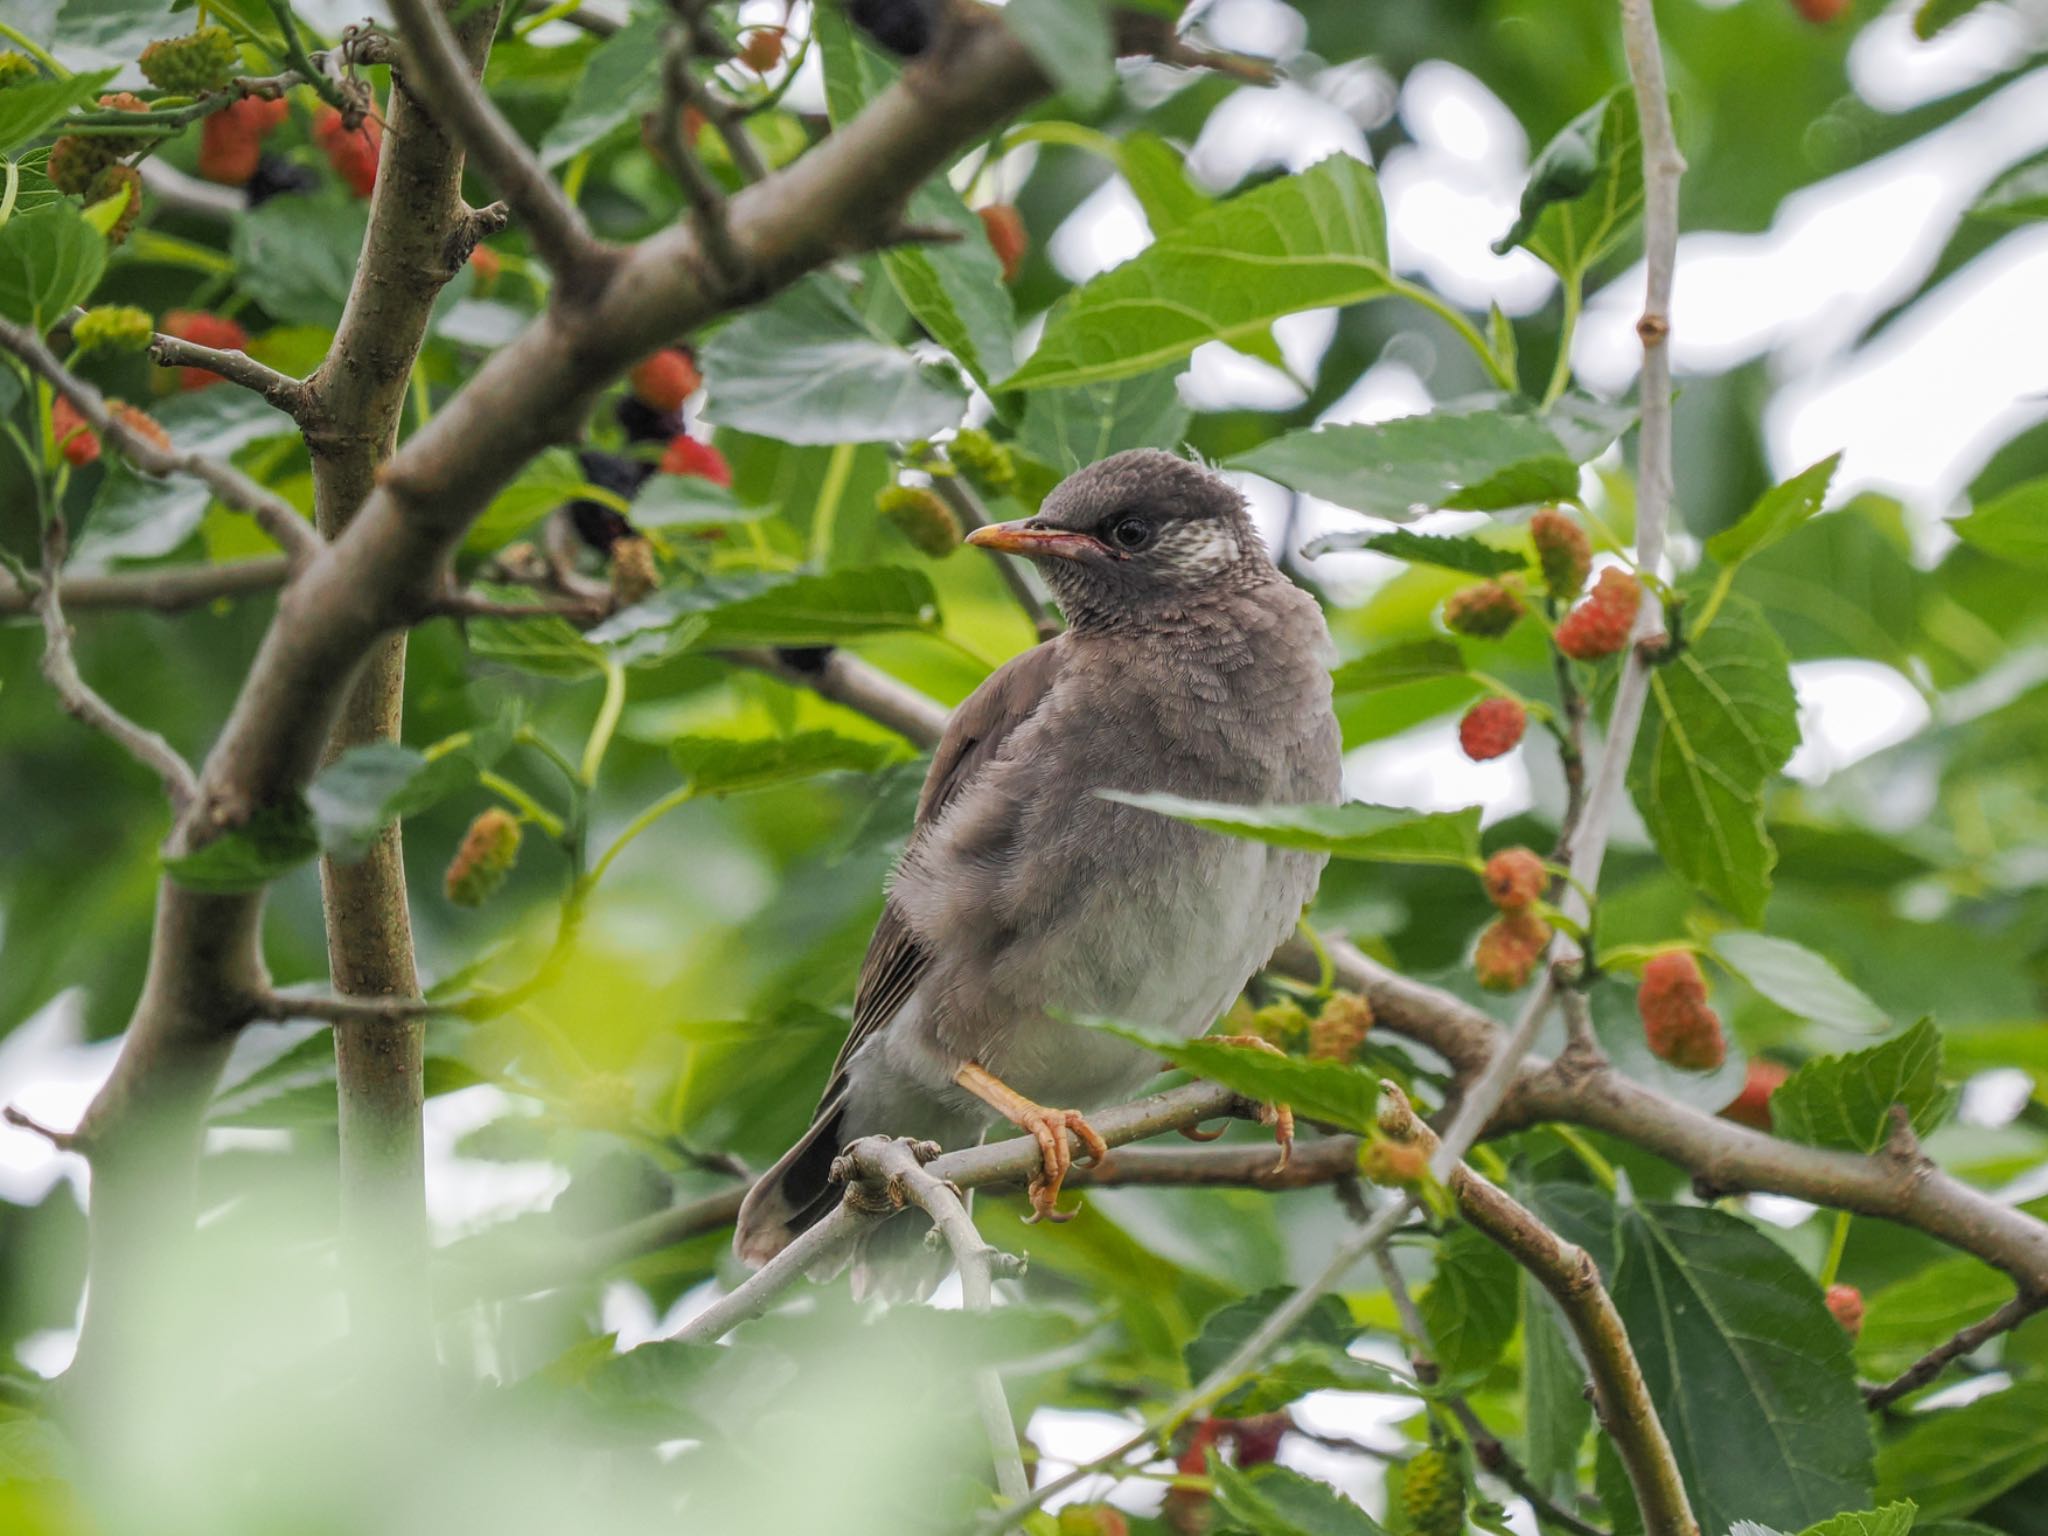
(797, 1192)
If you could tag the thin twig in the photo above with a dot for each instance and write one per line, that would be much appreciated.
(280, 389)
(1567, 1272)
(434, 62)
(82, 703)
(958, 495)
(705, 196)
(1966, 1341)
(274, 515)
(63, 1141)
(159, 589)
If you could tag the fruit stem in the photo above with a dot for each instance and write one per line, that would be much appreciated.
(1836, 1244)
(1561, 370)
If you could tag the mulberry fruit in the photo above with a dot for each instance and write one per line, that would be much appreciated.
(1340, 1028)
(17, 69)
(686, 456)
(1752, 1106)
(1004, 226)
(231, 140)
(79, 444)
(1486, 610)
(1677, 1022)
(985, 462)
(192, 65)
(1492, 728)
(1514, 878)
(1509, 950)
(489, 850)
(112, 182)
(1563, 551)
(112, 328)
(1433, 1493)
(921, 517)
(633, 571)
(352, 152)
(203, 329)
(665, 380)
(1600, 625)
(1846, 1303)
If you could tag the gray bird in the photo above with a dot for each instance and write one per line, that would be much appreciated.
(1191, 666)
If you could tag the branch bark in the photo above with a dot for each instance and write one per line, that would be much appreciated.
(160, 589)
(418, 238)
(1568, 1273)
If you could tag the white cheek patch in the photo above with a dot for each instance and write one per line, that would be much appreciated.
(1199, 549)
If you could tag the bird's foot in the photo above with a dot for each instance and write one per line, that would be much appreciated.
(1279, 1116)
(1048, 1127)
(1196, 1133)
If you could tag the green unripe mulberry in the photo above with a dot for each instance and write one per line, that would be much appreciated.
(985, 462)
(18, 69)
(921, 517)
(192, 65)
(1433, 1494)
(113, 328)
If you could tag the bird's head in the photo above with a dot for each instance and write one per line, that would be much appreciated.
(1139, 531)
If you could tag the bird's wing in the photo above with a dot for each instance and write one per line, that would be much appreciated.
(896, 961)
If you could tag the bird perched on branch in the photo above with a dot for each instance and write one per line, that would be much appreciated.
(1025, 900)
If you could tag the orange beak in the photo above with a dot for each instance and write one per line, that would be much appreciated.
(1038, 543)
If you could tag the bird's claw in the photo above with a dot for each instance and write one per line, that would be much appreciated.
(1049, 1128)
(1279, 1116)
(1196, 1133)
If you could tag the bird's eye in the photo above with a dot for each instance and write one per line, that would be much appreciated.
(1131, 532)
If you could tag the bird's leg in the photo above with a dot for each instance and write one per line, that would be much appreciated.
(1048, 1126)
(1278, 1116)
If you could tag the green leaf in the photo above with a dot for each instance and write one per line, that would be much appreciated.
(1906, 1319)
(1585, 189)
(1296, 1370)
(50, 260)
(1934, 16)
(772, 608)
(724, 765)
(690, 501)
(1469, 1307)
(1777, 512)
(273, 841)
(363, 791)
(296, 256)
(1750, 1374)
(1556, 1413)
(1891, 1520)
(1277, 1501)
(2011, 527)
(1069, 429)
(547, 480)
(1721, 719)
(1071, 41)
(1957, 1461)
(956, 289)
(1327, 1323)
(1844, 1101)
(1354, 830)
(109, 26)
(806, 369)
(1302, 242)
(1159, 179)
(27, 110)
(1466, 459)
(1392, 666)
(546, 646)
(1319, 1090)
(2020, 196)
(621, 80)
(1799, 981)
(1454, 552)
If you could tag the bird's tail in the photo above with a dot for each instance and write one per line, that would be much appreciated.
(890, 1258)
(796, 1192)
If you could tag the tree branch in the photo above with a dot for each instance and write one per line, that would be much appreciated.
(958, 495)
(435, 65)
(1486, 1446)
(280, 389)
(1568, 1273)
(160, 589)
(861, 686)
(276, 516)
(1966, 1341)
(82, 703)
